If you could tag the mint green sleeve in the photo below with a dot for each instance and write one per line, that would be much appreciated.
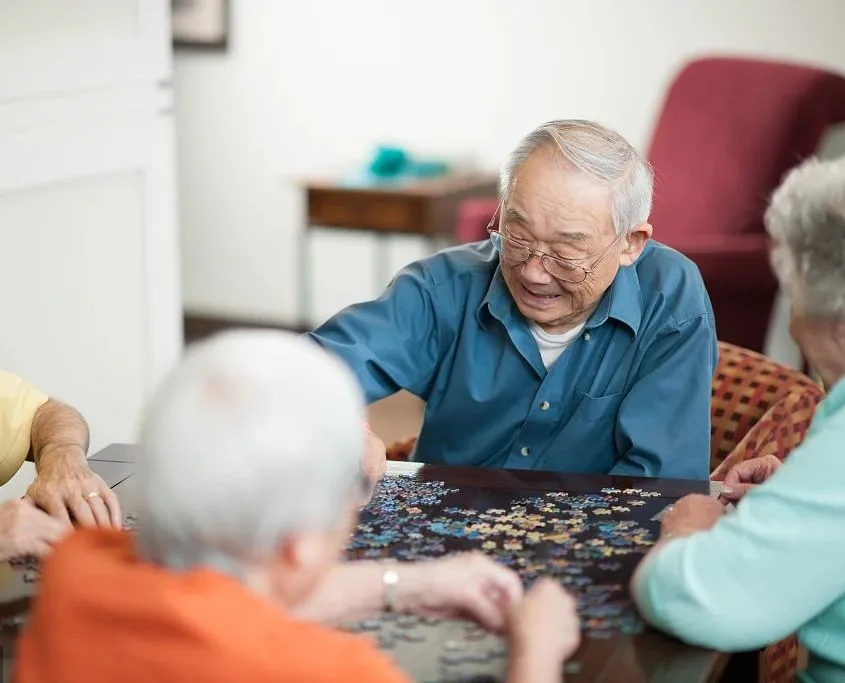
(765, 570)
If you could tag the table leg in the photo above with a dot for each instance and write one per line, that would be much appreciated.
(303, 265)
(383, 273)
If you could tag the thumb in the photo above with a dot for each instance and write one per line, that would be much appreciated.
(735, 491)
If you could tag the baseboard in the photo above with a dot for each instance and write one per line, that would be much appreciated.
(200, 326)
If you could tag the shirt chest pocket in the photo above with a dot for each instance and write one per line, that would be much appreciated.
(595, 409)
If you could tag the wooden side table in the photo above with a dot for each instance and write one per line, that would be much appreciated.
(424, 207)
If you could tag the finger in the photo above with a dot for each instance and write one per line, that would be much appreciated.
(55, 507)
(113, 504)
(100, 511)
(82, 512)
(38, 548)
(507, 584)
(736, 492)
(51, 529)
(483, 610)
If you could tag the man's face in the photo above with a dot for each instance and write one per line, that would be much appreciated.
(560, 211)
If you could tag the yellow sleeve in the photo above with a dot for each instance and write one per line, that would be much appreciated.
(19, 401)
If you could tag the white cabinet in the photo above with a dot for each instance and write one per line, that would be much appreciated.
(90, 298)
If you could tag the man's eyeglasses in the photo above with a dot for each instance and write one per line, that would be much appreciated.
(515, 252)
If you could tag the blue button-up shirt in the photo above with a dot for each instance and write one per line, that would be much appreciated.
(630, 396)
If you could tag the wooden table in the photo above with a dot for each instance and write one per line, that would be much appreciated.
(648, 657)
(427, 208)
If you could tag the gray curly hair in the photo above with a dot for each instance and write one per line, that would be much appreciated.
(806, 220)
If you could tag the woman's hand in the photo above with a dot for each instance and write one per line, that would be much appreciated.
(545, 621)
(467, 585)
(26, 530)
(746, 475)
(692, 513)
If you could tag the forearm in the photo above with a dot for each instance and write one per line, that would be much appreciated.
(530, 665)
(57, 431)
(351, 591)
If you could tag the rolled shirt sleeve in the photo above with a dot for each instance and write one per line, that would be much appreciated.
(390, 343)
(19, 401)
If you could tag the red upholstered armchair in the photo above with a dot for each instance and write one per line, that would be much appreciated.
(728, 132)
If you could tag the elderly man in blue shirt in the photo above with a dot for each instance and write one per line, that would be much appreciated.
(568, 341)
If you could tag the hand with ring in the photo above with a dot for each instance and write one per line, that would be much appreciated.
(69, 490)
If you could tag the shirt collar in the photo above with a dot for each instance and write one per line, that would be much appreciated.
(622, 301)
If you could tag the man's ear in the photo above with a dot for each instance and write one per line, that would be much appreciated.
(634, 244)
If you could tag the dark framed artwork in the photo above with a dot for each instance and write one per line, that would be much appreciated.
(200, 24)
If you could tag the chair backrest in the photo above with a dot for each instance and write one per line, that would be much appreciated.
(758, 407)
(729, 130)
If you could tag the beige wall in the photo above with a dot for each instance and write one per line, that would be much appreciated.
(312, 86)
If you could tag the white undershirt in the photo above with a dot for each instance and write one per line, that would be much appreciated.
(553, 345)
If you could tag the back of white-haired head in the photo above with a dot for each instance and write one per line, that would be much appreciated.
(254, 435)
(806, 219)
(601, 153)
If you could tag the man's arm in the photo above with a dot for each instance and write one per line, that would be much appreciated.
(57, 428)
(390, 343)
(763, 571)
(663, 425)
(65, 483)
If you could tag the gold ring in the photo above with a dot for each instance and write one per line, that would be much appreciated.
(93, 494)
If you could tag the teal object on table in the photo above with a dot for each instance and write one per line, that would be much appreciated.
(392, 166)
(389, 162)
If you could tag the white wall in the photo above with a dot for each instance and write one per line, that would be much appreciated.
(89, 281)
(310, 87)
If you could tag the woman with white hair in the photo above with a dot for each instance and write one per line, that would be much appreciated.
(248, 493)
(777, 565)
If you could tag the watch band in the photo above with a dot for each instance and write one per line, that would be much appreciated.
(389, 580)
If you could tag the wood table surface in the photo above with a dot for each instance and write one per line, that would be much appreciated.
(649, 657)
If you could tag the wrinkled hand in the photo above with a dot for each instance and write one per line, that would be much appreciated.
(63, 487)
(26, 530)
(744, 476)
(467, 585)
(691, 513)
(375, 456)
(374, 463)
(546, 621)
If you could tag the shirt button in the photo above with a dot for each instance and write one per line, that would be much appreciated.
(544, 405)
(586, 336)
(525, 450)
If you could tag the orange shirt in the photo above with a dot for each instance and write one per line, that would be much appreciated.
(103, 616)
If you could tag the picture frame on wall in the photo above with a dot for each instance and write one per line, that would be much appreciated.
(200, 24)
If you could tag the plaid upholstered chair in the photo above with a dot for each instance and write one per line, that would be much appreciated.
(758, 407)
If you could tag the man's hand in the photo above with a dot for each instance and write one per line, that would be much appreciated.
(467, 585)
(691, 513)
(374, 464)
(744, 476)
(26, 530)
(67, 486)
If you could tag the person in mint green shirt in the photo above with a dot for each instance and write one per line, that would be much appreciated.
(741, 580)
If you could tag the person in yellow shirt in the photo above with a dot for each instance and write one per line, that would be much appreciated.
(65, 490)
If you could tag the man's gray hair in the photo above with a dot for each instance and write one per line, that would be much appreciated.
(806, 220)
(254, 435)
(601, 153)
